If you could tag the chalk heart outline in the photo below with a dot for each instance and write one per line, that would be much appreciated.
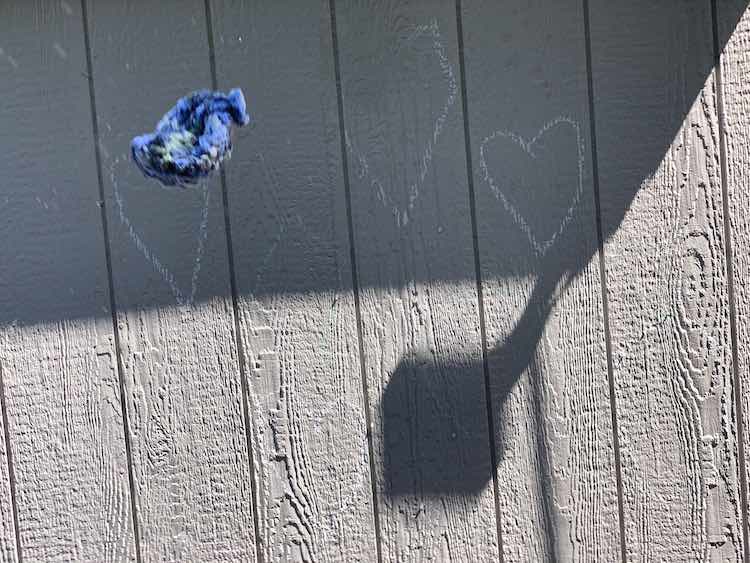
(425, 162)
(180, 296)
(527, 146)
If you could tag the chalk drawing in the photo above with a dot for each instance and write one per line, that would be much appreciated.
(402, 216)
(60, 51)
(180, 296)
(41, 202)
(541, 247)
(7, 57)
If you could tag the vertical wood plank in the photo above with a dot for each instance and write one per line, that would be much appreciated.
(56, 335)
(527, 100)
(8, 537)
(171, 279)
(661, 202)
(291, 256)
(733, 23)
(415, 260)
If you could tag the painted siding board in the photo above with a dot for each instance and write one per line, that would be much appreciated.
(56, 336)
(415, 258)
(733, 22)
(291, 256)
(8, 544)
(658, 154)
(171, 279)
(663, 224)
(528, 111)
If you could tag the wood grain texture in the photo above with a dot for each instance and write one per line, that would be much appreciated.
(8, 544)
(659, 165)
(56, 335)
(414, 252)
(733, 19)
(291, 255)
(528, 111)
(171, 277)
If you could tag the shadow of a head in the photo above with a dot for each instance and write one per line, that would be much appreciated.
(435, 436)
(434, 426)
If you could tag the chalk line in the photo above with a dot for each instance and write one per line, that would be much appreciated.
(527, 147)
(150, 256)
(402, 217)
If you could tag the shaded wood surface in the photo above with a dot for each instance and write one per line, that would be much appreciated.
(180, 366)
(532, 162)
(60, 378)
(435, 308)
(412, 230)
(289, 233)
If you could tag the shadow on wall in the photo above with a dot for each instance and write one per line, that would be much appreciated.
(422, 427)
(308, 243)
(431, 446)
(423, 414)
(416, 433)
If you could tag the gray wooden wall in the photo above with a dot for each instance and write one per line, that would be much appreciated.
(473, 287)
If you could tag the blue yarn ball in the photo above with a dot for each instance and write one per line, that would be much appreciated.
(192, 139)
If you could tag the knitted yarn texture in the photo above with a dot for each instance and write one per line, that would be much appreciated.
(192, 139)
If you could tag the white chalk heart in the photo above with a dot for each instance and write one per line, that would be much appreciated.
(181, 295)
(502, 188)
(425, 158)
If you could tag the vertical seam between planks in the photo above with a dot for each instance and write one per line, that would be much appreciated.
(11, 472)
(478, 276)
(737, 386)
(603, 279)
(110, 282)
(236, 311)
(355, 278)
